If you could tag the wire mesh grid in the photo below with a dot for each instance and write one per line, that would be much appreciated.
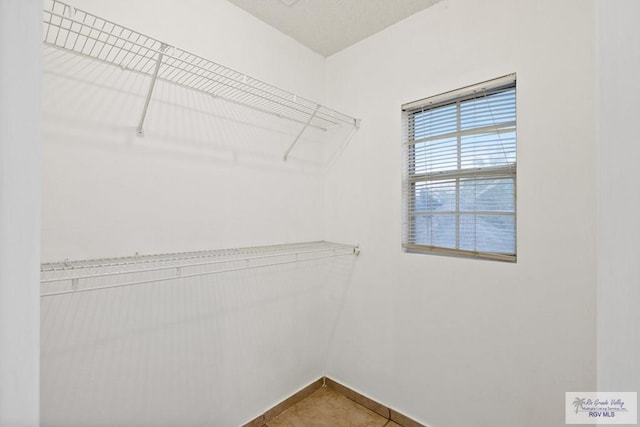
(85, 34)
(67, 276)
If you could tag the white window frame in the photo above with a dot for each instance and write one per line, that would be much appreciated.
(508, 170)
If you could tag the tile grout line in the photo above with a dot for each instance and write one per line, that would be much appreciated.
(266, 417)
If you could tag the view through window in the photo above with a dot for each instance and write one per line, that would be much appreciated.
(460, 175)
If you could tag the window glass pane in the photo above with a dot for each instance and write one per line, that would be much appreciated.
(435, 230)
(487, 233)
(427, 197)
(435, 156)
(496, 233)
(488, 110)
(443, 230)
(494, 194)
(436, 196)
(488, 150)
(421, 230)
(437, 121)
(468, 232)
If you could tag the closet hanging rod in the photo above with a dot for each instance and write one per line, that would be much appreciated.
(325, 250)
(82, 33)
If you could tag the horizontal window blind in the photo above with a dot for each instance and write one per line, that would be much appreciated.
(460, 172)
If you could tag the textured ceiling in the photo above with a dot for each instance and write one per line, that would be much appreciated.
(328, 26)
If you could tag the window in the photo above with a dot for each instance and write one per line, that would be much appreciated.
(460, 172)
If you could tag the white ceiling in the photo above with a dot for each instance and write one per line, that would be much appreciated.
(328, 26)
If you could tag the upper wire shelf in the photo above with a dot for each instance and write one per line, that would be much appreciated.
(85, 34)
(65, 277)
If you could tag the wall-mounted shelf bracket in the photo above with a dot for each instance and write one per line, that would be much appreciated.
(152, 84)
(306, 125)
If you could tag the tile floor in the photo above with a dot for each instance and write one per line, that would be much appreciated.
(328, 408)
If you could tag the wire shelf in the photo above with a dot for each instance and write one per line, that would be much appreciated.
(66, 277)
(85, 34)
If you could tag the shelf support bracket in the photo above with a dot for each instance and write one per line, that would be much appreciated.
(152, 84)
(306, 125)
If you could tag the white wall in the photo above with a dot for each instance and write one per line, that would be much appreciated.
(618, 66)
(457, 342)
(20, 89)
(210, 351)
(206, 175)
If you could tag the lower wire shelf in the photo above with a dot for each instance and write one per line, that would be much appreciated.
(68, 277)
